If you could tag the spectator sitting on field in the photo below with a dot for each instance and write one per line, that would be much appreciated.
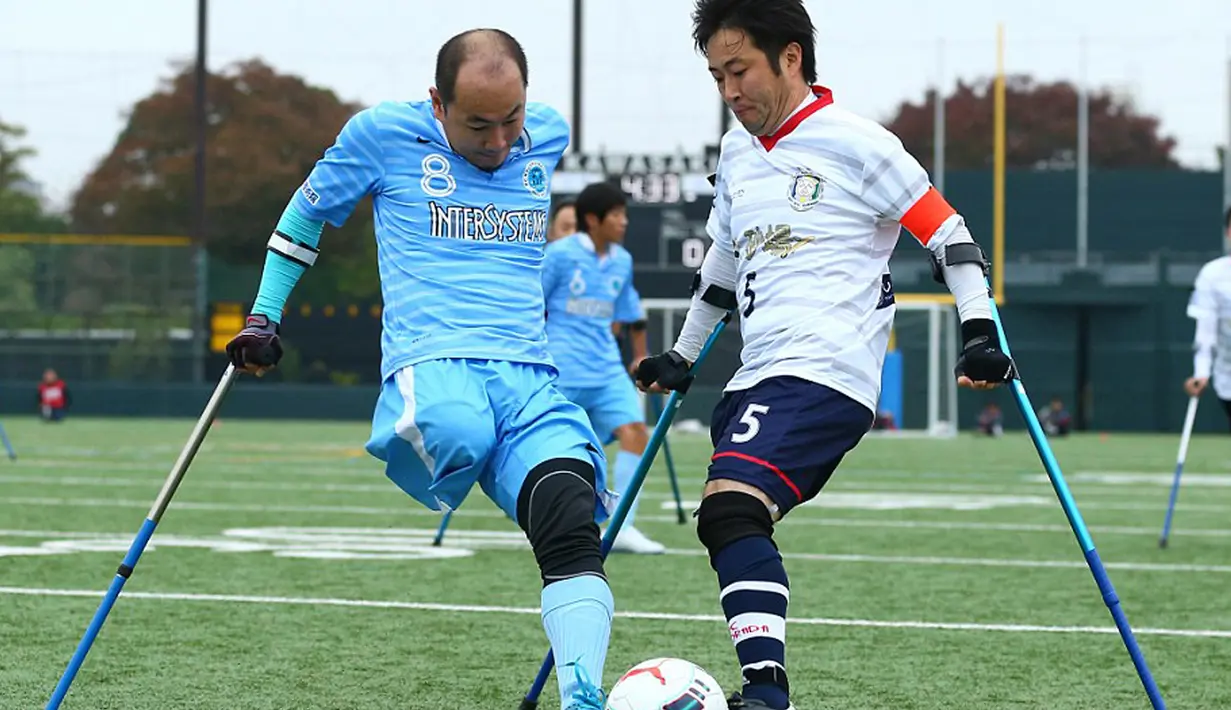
(991, 420)
(884, 421)
(53, 397)
(1055, 418)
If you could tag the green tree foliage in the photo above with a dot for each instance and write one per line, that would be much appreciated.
(1040, 128)
(265, 132)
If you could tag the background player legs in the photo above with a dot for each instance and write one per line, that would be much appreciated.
(632, 438)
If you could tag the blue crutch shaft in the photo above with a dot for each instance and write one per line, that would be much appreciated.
(8, 445)
(671, 477)
(1110, 598)
(143, 536)
(1185, 434)
(440, 531)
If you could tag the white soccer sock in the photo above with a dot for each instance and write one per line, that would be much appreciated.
(625, 466)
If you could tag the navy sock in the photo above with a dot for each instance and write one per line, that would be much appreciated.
(754, 598)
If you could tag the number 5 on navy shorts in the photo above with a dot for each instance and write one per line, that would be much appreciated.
(785, 436)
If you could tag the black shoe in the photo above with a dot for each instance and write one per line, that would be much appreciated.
(738, 702)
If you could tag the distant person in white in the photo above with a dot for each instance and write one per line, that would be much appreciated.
(1210, 306)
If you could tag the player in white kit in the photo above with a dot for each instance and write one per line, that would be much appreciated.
(1210, 306)
(809, 201)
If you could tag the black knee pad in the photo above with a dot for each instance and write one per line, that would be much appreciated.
(556, 510)
(728, 516)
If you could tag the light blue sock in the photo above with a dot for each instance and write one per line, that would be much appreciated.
(577, 617)
(625, 466)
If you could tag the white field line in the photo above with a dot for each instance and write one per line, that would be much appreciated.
(412, 509)
(656, 616)
(394, 540)
(838, 497)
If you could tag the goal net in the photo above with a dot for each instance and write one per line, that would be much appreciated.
(918, 391)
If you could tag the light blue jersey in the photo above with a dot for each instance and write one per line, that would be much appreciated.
(460, 249)
(585, 294)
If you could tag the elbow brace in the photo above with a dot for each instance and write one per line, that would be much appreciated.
(291, 250)
(713, 294)
(296, 238)
(959, 263)
(959, 253)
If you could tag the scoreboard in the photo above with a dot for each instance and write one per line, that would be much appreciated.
(667, 212)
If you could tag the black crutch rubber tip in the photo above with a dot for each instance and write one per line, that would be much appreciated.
(1162, 544)
(528, 704)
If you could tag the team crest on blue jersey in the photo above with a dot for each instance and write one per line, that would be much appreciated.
(806, 190)
(535, 178)
(615, 284)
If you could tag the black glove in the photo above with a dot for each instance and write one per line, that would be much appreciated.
(668, 370)
(256, 348)
(982, 359)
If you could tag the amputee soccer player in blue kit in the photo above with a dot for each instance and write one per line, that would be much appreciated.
(461, 186)
(588, 285)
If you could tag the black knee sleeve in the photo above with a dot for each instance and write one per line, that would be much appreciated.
(556, 510)
(728, 516)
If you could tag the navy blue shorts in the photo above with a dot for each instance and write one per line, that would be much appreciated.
(785, 436)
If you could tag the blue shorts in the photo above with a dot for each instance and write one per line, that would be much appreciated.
(609, 406)
(785, 436)
(443, 425)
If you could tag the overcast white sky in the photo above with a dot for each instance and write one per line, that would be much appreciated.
(70, 68)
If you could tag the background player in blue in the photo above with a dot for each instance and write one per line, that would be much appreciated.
(563, 220)
(588, 284)
(460, 186)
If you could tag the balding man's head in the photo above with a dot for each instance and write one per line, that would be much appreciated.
(480, 95)
(483, 51)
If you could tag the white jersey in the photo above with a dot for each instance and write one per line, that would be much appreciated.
(812, 214)
(1210, 306)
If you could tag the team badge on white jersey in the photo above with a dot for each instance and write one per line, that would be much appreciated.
(806, 190)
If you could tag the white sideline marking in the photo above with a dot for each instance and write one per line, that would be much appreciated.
(909, 500)
(712, 618)
(415, 543)
(411, 509)
(339, 468)
(1156, 478)
(841, 498)
(989, 562)
(386, 487)
(416, 510)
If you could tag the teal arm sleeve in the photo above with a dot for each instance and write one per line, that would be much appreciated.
(281, 273)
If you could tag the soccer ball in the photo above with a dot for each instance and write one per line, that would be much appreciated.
(666, 684)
